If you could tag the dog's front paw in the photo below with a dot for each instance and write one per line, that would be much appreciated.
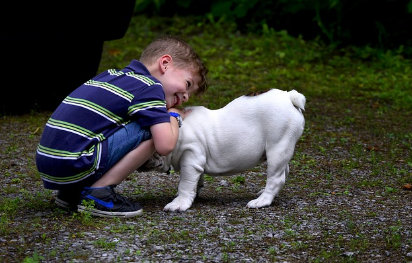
(178, 205)
(262, 201)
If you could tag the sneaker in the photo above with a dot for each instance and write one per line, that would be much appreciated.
(155, 162)
(107, 203)
(67, 199)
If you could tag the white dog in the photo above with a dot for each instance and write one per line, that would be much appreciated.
(247, 131)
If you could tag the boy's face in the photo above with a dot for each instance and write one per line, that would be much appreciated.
(178, 85)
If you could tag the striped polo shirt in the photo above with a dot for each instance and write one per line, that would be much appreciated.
(73, 144)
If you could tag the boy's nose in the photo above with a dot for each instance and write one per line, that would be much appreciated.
(185, 97)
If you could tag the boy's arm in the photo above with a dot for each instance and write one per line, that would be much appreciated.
(165, 136)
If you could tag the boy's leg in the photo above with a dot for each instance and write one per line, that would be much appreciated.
(127, 165)
(124, 160)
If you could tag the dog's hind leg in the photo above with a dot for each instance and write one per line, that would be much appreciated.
(278, 169)
(267, 195)
(286, 176)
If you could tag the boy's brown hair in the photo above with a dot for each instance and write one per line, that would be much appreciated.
(183, 57)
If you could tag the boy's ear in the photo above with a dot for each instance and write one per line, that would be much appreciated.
(165, 62)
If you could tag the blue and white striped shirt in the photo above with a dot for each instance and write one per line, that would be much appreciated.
(73, 144)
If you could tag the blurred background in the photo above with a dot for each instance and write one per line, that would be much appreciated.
(48, 49)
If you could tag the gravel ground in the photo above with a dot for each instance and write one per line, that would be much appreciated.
(327, 212)
(218, 228)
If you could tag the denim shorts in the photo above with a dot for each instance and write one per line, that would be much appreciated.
(119, 144)
(122, 142)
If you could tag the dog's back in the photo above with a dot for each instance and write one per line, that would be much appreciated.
(273, 107)
(296, 98)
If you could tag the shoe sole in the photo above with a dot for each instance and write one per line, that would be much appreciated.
(110, 214)
(65, 205)
(61, 203)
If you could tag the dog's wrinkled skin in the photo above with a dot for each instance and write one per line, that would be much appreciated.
(237, 137)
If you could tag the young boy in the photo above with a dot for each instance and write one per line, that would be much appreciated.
(109, 126)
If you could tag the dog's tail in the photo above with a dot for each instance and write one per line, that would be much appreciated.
(298, 99)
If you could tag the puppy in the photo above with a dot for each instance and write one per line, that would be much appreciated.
(249, 130)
